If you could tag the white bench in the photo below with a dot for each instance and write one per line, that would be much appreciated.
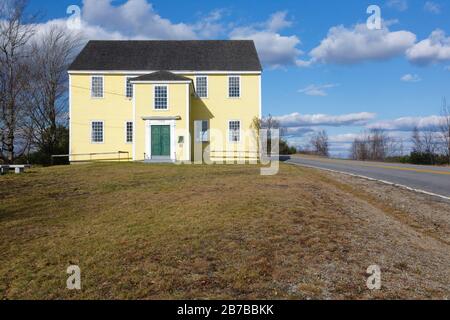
(18, 168)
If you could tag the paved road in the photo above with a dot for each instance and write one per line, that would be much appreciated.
(430, 179)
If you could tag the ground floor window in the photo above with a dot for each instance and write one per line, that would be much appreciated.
(201, 131)
(129, 132)
(234, 131)
(97, 131)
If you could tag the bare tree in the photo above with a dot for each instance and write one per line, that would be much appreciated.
(360, 149)
(52, 55)
(416, 140)
(445, 128)
(430, 145)
(320, 144)
(378, 144)
(270, 123)
(395, 147)
(15, 34)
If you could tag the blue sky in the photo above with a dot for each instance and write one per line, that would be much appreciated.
(323, 67)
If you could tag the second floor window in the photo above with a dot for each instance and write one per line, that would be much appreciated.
(234, 87)
(97, 132)
(97, 87)
(201, 86)
(160, 102)
(234, 131)
(129, 88)
(129, 132)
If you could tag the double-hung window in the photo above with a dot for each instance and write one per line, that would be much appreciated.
(97, 87)
(129, 132)
(201, 131)
(201, 86)
(234, 87)
(234, 131)
(128, 87)
(161, 98)
(97, 131)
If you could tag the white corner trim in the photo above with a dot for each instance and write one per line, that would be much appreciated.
(134, 125)
(70, 118)
(260, 98)
(373, 179)
(188, 121)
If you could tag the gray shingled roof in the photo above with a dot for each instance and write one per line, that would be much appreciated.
(161, 76)
(209, 55)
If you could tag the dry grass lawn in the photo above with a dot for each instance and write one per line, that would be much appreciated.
(201, 232)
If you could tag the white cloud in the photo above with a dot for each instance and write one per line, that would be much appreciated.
(408, 123)
(345, 137)
(211, 26)
(400, 5)
(137, 19)
(275, 50)
(317, 90)
(434, 49)
(432, 7)
(296, 120)
(411, 78)
(278, 21)
(133, 19)
(353, 45)
(298, 131)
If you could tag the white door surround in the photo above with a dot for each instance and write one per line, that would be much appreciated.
(148, 133)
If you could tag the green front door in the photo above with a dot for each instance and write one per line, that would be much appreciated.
(160, 141)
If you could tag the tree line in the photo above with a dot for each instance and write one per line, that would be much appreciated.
(33, 85)
(429, 146)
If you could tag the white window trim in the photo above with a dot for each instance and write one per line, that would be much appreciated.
(103, 132)
(240, 132)
(132, 87)
(126, 131)
(240, 86)
(198, 139)
(154, 97)
(103, 86)
(207, 86)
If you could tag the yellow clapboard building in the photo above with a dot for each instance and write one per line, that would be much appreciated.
(165, 101)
